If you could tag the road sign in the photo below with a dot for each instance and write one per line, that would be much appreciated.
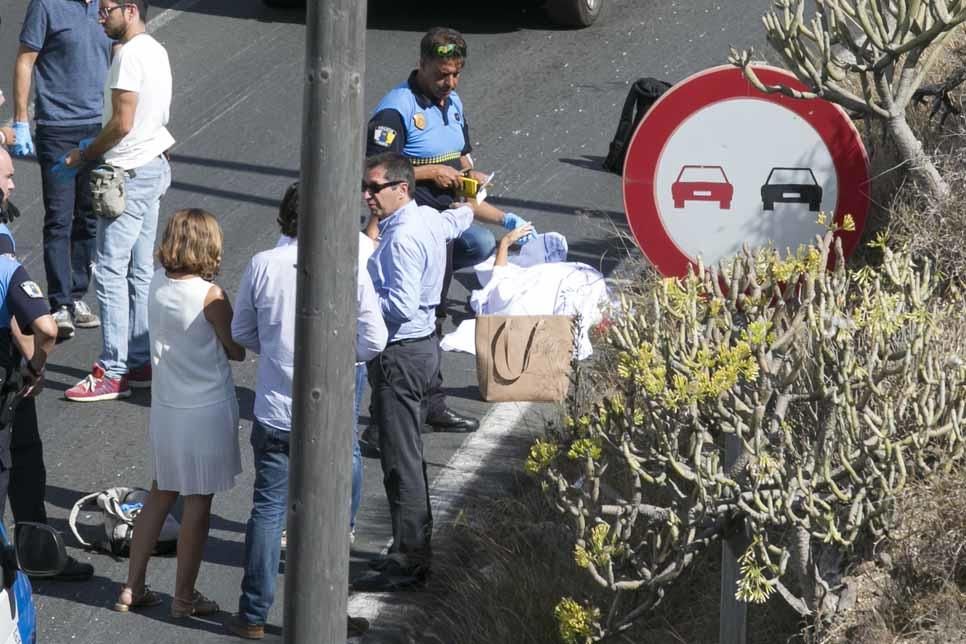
(716, 164)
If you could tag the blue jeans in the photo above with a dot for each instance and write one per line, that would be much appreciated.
(357, 469)
(264, 532)
(70, 225)
(473, 246)
(124, 267)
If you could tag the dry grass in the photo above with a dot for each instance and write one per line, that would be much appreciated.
(507, 562)
(898, 207)
(917, 591)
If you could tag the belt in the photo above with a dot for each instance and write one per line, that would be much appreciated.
(132, 174)
(410, 340)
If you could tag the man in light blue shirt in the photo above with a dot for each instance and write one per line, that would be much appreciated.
(407, 272)
(264, 322)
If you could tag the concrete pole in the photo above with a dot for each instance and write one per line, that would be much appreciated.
(317, 565)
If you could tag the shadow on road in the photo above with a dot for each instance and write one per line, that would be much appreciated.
(252, 168)
(500, 16)
(604, 254)
(516, 203)
(587, 162)
(101, 592)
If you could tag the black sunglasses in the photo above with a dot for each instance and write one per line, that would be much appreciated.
(105, 12)
(376, 188)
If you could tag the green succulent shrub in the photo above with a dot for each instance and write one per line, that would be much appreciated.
(829, 383)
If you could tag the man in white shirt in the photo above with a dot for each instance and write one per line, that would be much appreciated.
(134, 138)
(264, 322)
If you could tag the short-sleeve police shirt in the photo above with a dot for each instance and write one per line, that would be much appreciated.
(22, 298)
(410, 123)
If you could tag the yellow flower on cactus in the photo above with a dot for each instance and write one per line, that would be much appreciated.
(541, 454)
(575, 621)
(585, 447)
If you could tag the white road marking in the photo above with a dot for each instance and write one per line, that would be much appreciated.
(166, 16)
(451, 486)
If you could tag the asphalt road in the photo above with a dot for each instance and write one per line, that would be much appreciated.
(542, 104)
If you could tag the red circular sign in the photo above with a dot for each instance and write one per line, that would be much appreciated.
(714, 87)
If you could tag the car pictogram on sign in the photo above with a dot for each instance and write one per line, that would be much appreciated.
(702, 183)
(791, 185)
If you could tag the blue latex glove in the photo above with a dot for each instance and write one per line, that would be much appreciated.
(60, 170)
(25, 143)
(512, 221)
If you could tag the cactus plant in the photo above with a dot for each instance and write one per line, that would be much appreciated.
(885, 46)
(831, 381)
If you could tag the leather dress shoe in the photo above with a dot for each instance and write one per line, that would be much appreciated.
(391, 577)
(451, 422)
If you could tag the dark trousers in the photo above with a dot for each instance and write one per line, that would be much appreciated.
(400, 378)
(469, 249)
(70, 225)
(28, 476)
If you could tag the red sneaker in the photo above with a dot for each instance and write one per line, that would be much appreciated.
(139, 377)
(97, 386)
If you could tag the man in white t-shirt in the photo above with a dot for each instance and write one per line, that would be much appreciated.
(134, 138)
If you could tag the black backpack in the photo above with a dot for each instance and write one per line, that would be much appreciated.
(644, 93)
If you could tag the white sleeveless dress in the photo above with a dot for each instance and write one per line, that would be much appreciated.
(194, 410)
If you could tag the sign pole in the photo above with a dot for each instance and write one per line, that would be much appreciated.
(733, 619)
(317, 566)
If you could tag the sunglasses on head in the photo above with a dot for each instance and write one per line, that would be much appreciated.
(449, 50)
(376, 188)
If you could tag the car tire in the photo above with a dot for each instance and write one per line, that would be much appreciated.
(284, 4)
(814, 206)
(769, 205)
(574, 13)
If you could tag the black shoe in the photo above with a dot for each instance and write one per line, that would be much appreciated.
(74, 571)
(380, 562)
(449, 421)
(391, 578)
(356, 626)
(369, 442)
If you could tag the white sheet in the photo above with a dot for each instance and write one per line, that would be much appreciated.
(532, 284)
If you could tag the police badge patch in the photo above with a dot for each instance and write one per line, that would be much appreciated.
(419, 120)
(384, 136)
(31, 289)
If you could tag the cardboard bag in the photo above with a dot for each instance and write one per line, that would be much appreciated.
(524, 357)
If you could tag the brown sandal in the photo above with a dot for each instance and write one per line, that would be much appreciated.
(146, 599)
(197, 606)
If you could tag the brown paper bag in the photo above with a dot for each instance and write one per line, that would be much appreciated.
(524, 357)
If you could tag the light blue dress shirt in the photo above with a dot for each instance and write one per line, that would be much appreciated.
(264, 322)
(408, 264)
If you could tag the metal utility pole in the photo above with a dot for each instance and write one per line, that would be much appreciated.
(317, 566)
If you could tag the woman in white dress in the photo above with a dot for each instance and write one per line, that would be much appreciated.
(194, 411)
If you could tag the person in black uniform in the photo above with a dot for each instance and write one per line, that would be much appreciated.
(423, 119)
(27, 335)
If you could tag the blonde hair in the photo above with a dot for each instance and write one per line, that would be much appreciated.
(191, 243)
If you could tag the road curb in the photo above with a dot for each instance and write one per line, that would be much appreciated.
(482, 466)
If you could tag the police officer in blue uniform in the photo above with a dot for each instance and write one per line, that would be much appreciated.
(423, 119)
(27, 335)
